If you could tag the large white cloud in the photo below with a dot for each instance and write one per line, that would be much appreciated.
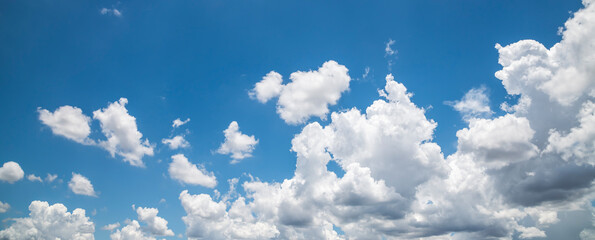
(308, 94)
(185, 172)
(123, 137)
(50, 222)
(237, 144)
(157, 226)
(69, 122)
(11, 172)
(81, 185)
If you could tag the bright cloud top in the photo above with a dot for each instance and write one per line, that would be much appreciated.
(51, 222)
(157, 226)
(308, 94)
(81, 185)
(11, 172)
(237, 144)
(182, 170)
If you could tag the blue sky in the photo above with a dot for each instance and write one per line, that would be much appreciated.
(200, 60)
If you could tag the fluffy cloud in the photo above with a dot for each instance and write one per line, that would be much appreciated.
(132, 231)
(32, 178)
(157, 226)
(474, 104)
(80, 185)
(69, 122)
(176, 142)
(238, 145)
(123, 137)
(177, 123)
(4, 207)
(511, 176)
(308, 94)
(11, 172)
(50, 222)
(185, 172)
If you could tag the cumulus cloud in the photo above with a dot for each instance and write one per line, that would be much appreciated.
(177, 123)
(123, 137)
(69, 122)
(511, 176)
(110, 11)
(32, 178)
(308, 94)
(182, 170)
(80, 185)
(176, 142)
(475, 104)
(238, 145)
(157, 226)
(388, 50)
(132, 231)
(50, 222)
(4, 207)
(11, 172)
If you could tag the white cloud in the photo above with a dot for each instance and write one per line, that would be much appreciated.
(80, 185)
(388, 50)
(269, 87)
(308, 94)
(176, 142)
(110, 11)
(50, 222)
(132, 231)
(32, 177)
(157, 226)
(579, 143)
(4, 207)
(123, 137)
(238, 145)
(11, 172)
(177, 123)
(69, 122)
(51, 177)
(111, 227)
(475, 104)
(185, 172)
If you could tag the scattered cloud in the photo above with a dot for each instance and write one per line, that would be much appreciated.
(4, 207)
(11, 172)
(238, 145)
(132, 231)
(111, 227)
(32, 178)
(176, 142)
(123, 137)
(110, 11)
(388, 50)
(69, 122)
(80, 185)
(50, 222)
(475, 104)
(308, 94)
(182, 170)
(51, 177)
(178, 122)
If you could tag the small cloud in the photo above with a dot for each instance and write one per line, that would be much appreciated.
(111, 227)
(388, 50)
(80, 185)
(475, 104)
(110, 11)
(51, 177)
(11, 172)
(238, 145)
(176, 142)
(179, 122)
(33, 178)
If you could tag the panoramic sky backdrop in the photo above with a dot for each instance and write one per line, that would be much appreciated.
(210, 119)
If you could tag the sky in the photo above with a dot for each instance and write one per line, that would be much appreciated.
(195, 119)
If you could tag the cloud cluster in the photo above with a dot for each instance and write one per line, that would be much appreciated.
(11, 172)
(50, 222)
(308, 94)
(118, 126)
(237, 144)
(157, 226)
(182, 170)
(512, 176)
